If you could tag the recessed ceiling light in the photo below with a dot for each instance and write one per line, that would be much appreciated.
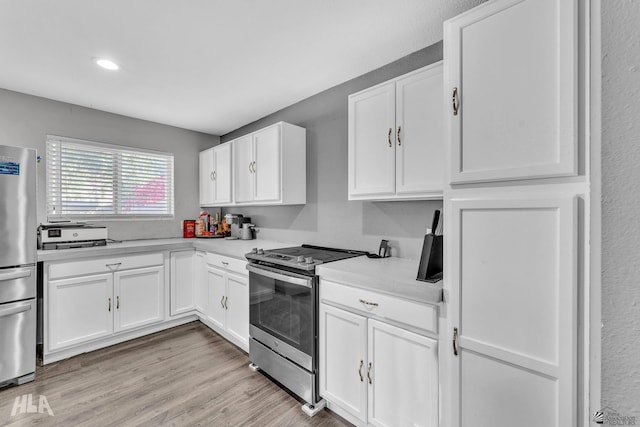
(107, 64)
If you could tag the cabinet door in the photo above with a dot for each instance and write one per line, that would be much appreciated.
(403, 377)
(343, 359)
(512, 123)
(371, 144)
(222, 174)
(267, 164)
(182, 282)
(513, 284)
(419, 134)
(139, 297)
(79, 309)
(216, 294)
(206, 177)
(237, 307)
(243, 169)
(200, 283)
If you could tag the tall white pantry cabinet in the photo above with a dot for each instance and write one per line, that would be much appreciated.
(516, 206)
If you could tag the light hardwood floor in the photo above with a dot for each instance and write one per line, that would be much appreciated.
(185, 376)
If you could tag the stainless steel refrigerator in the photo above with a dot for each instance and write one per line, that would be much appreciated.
(18, 242)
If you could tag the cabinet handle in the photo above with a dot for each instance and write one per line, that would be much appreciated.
(222, 301)
(214, 175)
(360, 370)
(211, 176)
(109, 304)
(250, 171)
(254, 166)
(225, 263)
(118, 302)
(389, 137)
(226, 307)
(455, 341)
(369, 373)
(454, 101)
(373, 304)
(116, 264)
(398, 136)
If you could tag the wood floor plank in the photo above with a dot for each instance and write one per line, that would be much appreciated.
(184, 376)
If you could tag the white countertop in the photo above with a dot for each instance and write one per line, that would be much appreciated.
(233, 248)
(391, 276)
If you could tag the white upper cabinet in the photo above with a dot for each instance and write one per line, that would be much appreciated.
(420, 133)
(206, 177)
(215, 176)
(396, 138)
(242, 165)
(371, 142)
(270, 166)
(512, 91)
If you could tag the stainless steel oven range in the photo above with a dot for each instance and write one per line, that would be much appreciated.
(283, 316)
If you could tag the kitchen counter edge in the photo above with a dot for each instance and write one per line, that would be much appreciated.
(232, 248)
(391, 276)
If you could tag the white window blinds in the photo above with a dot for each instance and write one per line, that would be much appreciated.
(92, 180)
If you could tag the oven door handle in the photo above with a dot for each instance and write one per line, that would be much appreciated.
(302, 280)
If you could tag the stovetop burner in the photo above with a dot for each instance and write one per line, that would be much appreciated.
(305, 257)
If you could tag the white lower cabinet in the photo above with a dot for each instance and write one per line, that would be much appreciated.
(94, 299)
(381, 374)
(200, 282)
(139, 297)
(182, 282)
(227, 309)
(80, 310)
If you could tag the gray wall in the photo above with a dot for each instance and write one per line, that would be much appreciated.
(329, 218)
(26, 119)
(621, 206)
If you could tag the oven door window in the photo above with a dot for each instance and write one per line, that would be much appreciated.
(283, 309)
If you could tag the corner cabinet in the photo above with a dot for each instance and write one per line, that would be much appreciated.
(376, 366)
(182, 282)
(396, 138)
(216, 176)
(269, 166)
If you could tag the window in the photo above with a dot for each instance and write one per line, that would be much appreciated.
(90, 180)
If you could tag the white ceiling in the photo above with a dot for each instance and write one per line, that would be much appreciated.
(206, 65)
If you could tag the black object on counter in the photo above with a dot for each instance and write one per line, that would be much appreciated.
(430, 269)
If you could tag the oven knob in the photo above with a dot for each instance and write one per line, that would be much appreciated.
(300, 258)
(260, 251)
(308, 260)
(254, 250)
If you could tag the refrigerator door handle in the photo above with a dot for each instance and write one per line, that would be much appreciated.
(15, 274)
(5, 312)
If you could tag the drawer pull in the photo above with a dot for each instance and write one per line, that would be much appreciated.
(360, 371)
(116, 265)
(225, 263)
(372, 304)
(369, 373)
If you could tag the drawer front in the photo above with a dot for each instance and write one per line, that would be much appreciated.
(103, 265)
(232, 264)
(423, 316)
